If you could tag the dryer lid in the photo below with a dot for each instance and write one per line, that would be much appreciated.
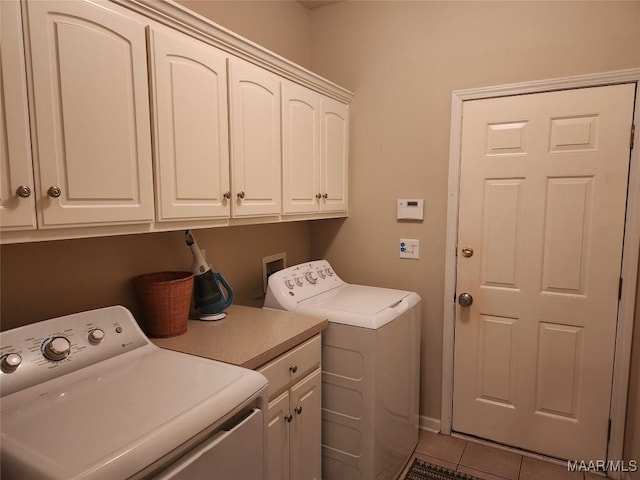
(118, 420)
(357, 299)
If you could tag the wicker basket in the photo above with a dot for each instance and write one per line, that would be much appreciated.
(165, 298)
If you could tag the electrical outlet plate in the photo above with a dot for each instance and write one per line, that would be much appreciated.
(272, 264)
(409, 248)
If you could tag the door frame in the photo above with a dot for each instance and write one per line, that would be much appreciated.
(626, 306)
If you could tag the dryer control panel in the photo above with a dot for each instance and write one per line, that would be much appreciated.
(42, 351)
(294, 284)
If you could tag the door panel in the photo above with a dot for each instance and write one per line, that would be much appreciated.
(300, 149)
(334, 154)
(191, 123)
(306, 397)
(90, 90)
(16, 212)
(542, 203)
(255, 140)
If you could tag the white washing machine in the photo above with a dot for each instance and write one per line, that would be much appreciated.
(88, 396)
(370, 368)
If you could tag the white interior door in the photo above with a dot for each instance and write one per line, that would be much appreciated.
(542, 205)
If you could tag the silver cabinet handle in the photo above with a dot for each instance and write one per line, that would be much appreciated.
(298, 410)
(227, 195)
(241, 194)
(54, 192)
(465, 300)
(23, 191)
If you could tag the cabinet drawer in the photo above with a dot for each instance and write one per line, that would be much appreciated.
(292, 365)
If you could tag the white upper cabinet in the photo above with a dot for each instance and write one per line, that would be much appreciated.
(191, 133)
(314, 151)
(300, 149)
(126, 117)
(17, 199)
(92, 144)
(334, 154)
(255, 140)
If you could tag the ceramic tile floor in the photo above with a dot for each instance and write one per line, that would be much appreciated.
(487, 463)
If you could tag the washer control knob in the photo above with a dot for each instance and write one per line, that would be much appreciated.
(311, 277)
(299, 281)
(329, 271)
(322, 274)
(289, 284)
(96, 335)
(57, 348)
(10, 362)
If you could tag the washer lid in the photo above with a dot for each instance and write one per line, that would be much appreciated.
(119, 420)
(357, 299)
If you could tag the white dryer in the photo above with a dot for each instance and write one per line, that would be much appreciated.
(370, 368)
(88, 396)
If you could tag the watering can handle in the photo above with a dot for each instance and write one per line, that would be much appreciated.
(226, 286)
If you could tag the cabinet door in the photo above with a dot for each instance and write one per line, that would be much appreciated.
(334, 155)
(17, 204)
(300, 149)
(91, 99)
(278, 434)
(189, 85)
(255, 136)
(305, 434)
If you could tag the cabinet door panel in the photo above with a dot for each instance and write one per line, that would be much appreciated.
(191, 127)
(300, 149)
(278, 433)
(91, 98)
(15, 145)
(335, 153)
(255, 132)
(305, 434)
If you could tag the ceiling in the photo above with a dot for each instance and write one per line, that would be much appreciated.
(311, 4)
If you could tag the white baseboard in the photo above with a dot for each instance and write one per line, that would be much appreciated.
(430, 424)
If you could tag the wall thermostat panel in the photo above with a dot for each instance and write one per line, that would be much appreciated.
(411, 209)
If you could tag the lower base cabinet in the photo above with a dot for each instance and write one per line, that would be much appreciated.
(294, 414)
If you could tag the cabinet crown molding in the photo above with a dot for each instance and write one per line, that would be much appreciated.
(182, 19)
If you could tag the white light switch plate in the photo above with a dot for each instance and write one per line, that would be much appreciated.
(409, 248)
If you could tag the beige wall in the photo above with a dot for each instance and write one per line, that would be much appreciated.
(284, 27)
(403, 60)
(48, 279)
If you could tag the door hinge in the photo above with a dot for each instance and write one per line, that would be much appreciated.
(620, 289)
(633, 135)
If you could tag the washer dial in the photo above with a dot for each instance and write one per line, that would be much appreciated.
(10, 362)
(56, 348)
(96, 335)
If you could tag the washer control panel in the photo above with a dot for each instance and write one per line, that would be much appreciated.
(35, 353)
(294, 284)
